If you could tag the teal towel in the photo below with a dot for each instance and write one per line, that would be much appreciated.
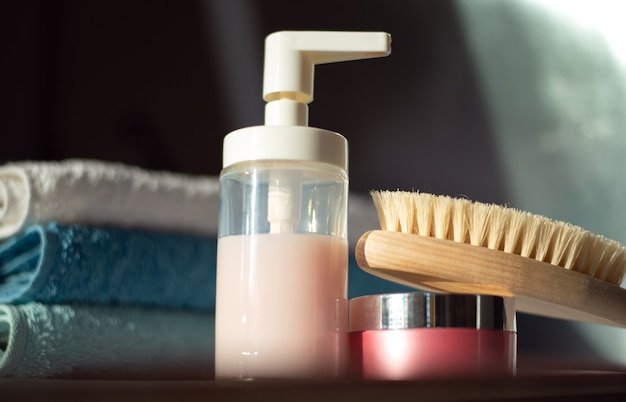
(97, 265)
(105, 342)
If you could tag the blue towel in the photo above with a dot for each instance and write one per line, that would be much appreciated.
(55, 263)
(105, 342)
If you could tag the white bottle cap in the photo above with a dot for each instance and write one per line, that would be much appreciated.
(290, 57)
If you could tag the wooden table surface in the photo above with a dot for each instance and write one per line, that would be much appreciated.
(566, 386)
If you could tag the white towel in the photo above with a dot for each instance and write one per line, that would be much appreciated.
(98, 192)
(104, 342)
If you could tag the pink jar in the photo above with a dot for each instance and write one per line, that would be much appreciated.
(410, 336)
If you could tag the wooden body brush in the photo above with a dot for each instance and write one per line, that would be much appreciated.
(440, 243)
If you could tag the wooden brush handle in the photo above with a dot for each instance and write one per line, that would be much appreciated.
(540, 288)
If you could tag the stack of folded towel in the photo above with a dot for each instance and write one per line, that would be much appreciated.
(106, 271)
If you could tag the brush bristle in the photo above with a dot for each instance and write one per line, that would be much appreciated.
(504, 229)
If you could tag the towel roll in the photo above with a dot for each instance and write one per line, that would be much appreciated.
(97, 265)
(105, 342)
(105, 193)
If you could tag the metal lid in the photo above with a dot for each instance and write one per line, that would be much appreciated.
(429, 310)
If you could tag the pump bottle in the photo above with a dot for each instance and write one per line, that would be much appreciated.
(282, 262)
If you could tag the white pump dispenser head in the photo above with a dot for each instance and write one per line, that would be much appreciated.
(290, 59)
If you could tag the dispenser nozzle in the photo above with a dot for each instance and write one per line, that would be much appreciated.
(290, 58)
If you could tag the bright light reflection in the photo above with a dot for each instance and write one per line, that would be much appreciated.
(604, 16)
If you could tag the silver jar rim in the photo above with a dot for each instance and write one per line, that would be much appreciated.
(431, 310)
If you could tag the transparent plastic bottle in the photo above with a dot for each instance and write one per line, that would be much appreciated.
(282, 263)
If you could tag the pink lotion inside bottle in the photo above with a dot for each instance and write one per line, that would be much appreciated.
(283, 307)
